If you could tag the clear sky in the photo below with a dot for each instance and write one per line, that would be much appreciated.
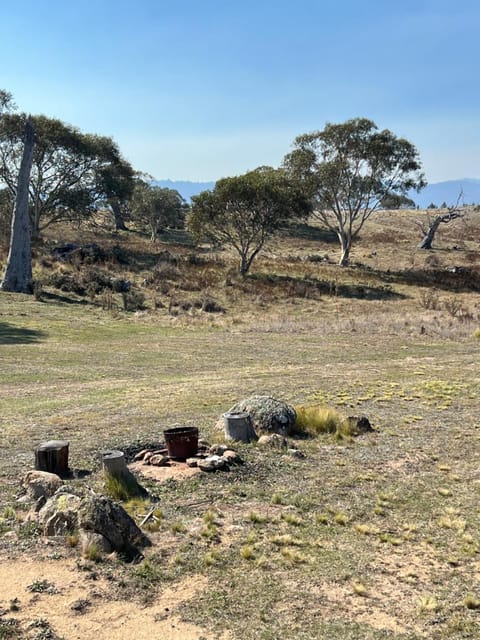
(200, 90)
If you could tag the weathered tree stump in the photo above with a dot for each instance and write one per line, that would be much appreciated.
(238, 426)
(114, 463)
(115, 466)
(52, 456)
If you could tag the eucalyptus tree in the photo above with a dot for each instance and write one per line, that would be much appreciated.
(244, 211)
(348, 170)
(156, 208)
(72, 172)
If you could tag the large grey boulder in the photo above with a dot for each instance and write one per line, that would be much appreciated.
(268, 414)
(58, 516)
(103, 516)
(40, 484)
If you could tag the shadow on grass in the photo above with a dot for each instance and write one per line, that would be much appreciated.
(56, 297)
(454, 279)
(10, 334)
(308, 232)
(450, 279)
(313, 288)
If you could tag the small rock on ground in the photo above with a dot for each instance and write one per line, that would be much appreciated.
(273, 441)
(212, 463)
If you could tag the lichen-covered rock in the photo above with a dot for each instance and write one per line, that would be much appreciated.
(268, 414)
(159, 460)
(231, 457)
(89, 539)
(40, 484)
(212, 463)
(273, 441)
(217, 449)
(101, 515)
(58, 516)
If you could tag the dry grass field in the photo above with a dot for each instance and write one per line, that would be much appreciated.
(375, 537)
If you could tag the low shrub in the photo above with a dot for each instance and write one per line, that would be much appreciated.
(318, 419)
(429, 299)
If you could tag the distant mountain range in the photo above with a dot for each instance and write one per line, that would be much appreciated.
(448, 192)
(436, 193)
(185, 188)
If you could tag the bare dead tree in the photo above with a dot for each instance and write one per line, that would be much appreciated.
(429, 229)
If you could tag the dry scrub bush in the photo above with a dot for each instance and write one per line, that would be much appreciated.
(429, 299)
(455, 308)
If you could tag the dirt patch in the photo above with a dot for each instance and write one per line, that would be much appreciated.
(99, 617)
(175, 469)
(339, 599)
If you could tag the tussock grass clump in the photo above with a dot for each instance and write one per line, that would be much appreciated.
(247, 552)
(428, 603)
(317, 419)
(121, 488)
(360, 589)
(471, 601)
(92, 552)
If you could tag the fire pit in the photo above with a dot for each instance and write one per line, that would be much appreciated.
(182, 442)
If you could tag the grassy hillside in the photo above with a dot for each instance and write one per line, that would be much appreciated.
(373, 537)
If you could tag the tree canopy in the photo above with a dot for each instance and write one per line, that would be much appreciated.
(156, 208)
(71, 173)
(243, 211)
(348, 169)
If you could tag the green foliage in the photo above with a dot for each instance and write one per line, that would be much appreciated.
(348, 169)
(71, 173)
(149, 573)
(6, 209)
(10, 629)
(243, 211)
(156, 208)
(396, 201)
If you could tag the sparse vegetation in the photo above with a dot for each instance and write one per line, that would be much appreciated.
(386, 520)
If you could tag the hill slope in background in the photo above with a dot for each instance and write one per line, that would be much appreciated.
(185, 188)
(438, 192)
(448, 192)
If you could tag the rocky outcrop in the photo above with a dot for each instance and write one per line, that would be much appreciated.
(100, 515)
(268, 414)
(58, 516)
(40, 484)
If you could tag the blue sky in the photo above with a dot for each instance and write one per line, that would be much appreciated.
(200, 90)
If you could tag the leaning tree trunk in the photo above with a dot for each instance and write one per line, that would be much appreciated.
(18, 273)
(429, 234)
(118, 216)
(346, 244)
(427, 240)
